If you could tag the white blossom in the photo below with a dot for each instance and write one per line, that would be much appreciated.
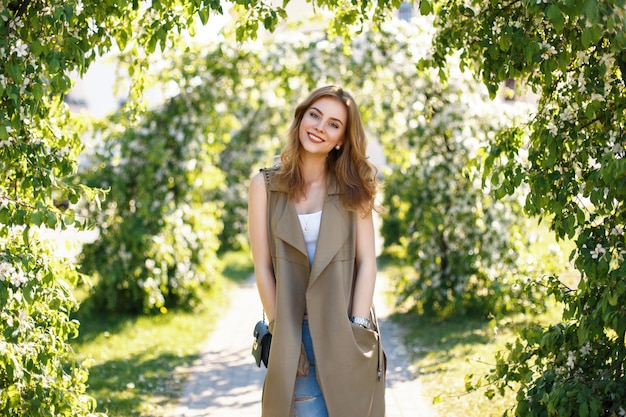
(554, 249)
(9, 273)
(618, 148)
(6, 270)
(16, 24)
(598, 252)
(571, 360)
(617, 231)
(548, 50)
(583, 57)
(20, 48)
(586, 349)
(552, 128)
(597, 97)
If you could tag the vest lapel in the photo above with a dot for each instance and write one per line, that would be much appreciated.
(333, 230)
(333, 234)
(288, 228)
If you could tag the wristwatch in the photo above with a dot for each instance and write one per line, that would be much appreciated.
(361, 321)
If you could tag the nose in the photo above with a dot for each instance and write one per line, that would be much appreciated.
(319, 125)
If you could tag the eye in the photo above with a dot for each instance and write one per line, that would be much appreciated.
(334, 125)
(313, 115)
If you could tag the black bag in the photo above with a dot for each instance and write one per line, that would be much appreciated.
(262, 343)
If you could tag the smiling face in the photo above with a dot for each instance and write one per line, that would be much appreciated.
(323, 126)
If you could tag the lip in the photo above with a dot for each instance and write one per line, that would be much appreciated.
(314, 138)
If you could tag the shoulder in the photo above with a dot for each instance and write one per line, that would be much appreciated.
(264, 174)
(257, 179)
(270, 171)
(269, 176)
(257, 190)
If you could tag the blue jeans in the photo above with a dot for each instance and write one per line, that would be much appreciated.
(308, 399)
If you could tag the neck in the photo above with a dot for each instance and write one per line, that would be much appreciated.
(314, 170)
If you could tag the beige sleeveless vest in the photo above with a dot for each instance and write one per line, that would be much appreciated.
(350, 361)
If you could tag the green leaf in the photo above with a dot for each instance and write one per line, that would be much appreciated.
(556, 17)
(12, 392)
(54, 65)
(425, 7)
(14, 70)
(596, 407)
(530, 49)
(61, 83)
(50, 219)
(5, 215)
(35, 47)
(594, 33)
(36, 218)
(269, 22)
(204, 14)
(37, 92)
(505, 42)
(151, 45)
(161, 37)
(583, 410)
(591, 12)
(122, 39)
(69, 216)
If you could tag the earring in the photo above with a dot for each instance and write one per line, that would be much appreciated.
(337, 147)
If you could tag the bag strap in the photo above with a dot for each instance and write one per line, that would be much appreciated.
(267, 190)
(382, 365)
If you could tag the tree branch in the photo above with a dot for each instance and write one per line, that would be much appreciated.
(20, 8)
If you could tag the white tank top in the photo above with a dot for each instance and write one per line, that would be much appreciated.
(310, 224)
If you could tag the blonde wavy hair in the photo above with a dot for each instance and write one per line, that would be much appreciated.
(349, 167)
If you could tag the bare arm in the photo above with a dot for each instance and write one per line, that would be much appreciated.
(259, 243)
(365, 267)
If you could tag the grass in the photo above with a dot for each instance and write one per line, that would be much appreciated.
(237, 266)
(137, 364)
(446, 352)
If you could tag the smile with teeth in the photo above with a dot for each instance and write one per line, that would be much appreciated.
(315, 138)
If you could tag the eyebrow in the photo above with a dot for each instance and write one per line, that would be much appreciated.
(321, 112)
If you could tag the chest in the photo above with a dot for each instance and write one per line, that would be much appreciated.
(313, 201)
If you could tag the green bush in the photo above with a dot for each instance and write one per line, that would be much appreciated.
(159, 226)
(39, 372)
(468, 253)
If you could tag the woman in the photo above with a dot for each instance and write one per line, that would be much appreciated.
(312, 238)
